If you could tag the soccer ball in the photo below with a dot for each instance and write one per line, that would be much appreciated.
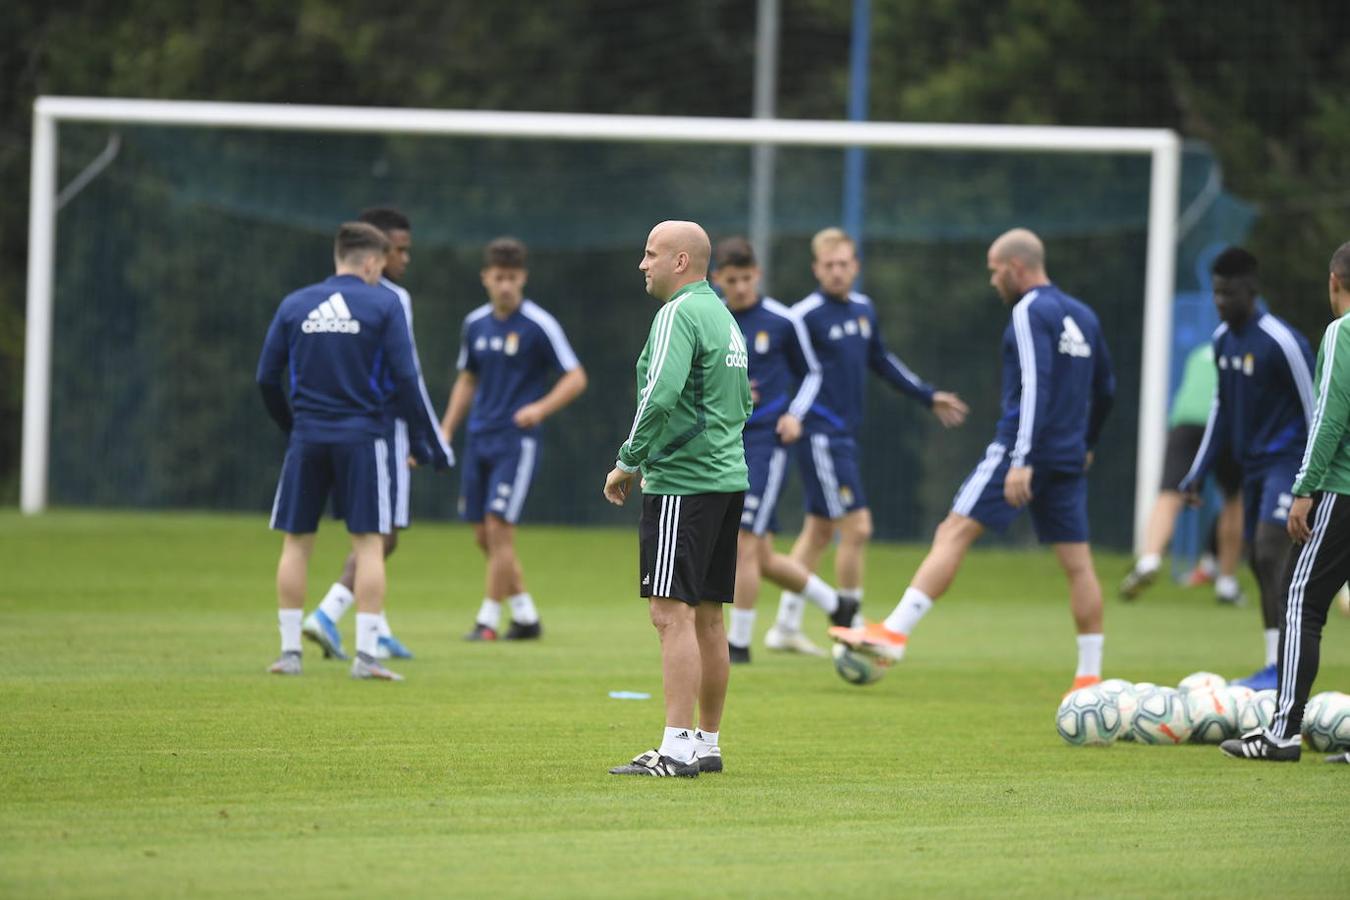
(1127, 701)
(1088, 716)
(1160, 718)
(1330, 730)
(1213, 716)
(1114, 687)
(1259, 712)
(1202, 681)
(858, 667)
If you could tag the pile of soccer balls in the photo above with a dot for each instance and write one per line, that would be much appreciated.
(1203, 709)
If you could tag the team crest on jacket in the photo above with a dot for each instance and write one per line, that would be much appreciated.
(762, 342)
(1248, 364)
(864, 327)
(1071, 340)
(512, 344)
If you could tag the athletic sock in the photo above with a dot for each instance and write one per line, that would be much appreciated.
(742, 627)
(913, 606)
(384, 627)
(1272, 646)
(522, 608)
(1148, 564)
(1089, 655)
(289, 621)
(1226, 586)
(367, 633)
(1208, 565)
(791, 606)
(678, 744)
(822, 595)
(490, 613)
(336, 602)
(704, 741)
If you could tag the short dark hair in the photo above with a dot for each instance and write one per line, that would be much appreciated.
(735, 251)
(385, 218)
(504, 253)
(1234, 262)
(1340, 264)
(357, 238)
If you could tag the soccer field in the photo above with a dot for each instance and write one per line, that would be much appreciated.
(146, 752)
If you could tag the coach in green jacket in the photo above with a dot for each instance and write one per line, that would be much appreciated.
(693, 397)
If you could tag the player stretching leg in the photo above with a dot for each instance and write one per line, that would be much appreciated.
(842, 328)
(508, 351)
(338, 344)
(1319, 520)
(1057, 391)
(780, 356)
(320, 626)
(1260, 415)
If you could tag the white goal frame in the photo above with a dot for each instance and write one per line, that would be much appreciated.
(1162, 146)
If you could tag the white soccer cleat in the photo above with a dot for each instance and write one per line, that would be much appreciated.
(779, 638)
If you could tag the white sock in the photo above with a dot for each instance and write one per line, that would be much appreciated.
(367, 633)
(384, 627)
(490, 613)
(704, 741)
(289, 620)
(336, 602)
(1208, 564)
(742, 627)
(1272, 646)
(1089, 655)
(678, 744)
(821, 594)
(1226, 586)
(790, 609)
(1148, 564)
(522, 608)
(913, 606)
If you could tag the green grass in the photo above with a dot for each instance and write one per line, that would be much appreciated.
(144, 752)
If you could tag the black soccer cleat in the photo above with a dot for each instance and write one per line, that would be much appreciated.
(653, 763)
(519, 632)
(738, 654)
(1135, 583)
(845, 612)
(481, 633)
(712, 762)
(1259, 744)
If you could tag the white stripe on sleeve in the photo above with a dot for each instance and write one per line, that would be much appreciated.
(1026, 356)
(1298, 364)
(554, 332)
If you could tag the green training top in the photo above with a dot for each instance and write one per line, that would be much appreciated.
(693, 399)
(1326, 460)
(1195, 396)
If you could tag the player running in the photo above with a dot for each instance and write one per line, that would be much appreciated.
(1261, 413)
(841, 325)
(1057, 390)
(321, 626)
(780, 357)
(509, 349)
(342, 347)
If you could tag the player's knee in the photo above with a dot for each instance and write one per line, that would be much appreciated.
(670, 615)
(857, 529)
(818, 531)
(956, 531)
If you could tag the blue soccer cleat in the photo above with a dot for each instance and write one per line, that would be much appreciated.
(323, 631)
(1267, 679)
(390, 647)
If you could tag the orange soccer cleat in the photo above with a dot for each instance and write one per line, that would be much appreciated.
(873, 637)
(1083, 681)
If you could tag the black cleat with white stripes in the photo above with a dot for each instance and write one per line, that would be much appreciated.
(1260, 744)
(653, 763)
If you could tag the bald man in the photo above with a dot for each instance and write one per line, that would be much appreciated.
(1057, 391)
(693, 397)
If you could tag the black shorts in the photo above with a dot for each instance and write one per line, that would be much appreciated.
(688, 546)
(1183, 442)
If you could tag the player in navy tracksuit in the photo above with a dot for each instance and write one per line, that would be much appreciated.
(1057, 390)
(1262, 410)
(509, 351)
(842, 328)
(329, 350)
(784, 379)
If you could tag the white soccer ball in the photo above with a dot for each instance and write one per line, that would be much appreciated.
(1160, 718)
(1329, 730)
(857, 666)
(1202, 681)
(1260, 712)
(1127, 701)
(1213, 716)
(1114, 687)
(1088, 716)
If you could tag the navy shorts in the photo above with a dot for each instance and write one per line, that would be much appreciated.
(496, 473)
(766, 459)
(830, 477)
(1266, 495)
(356, 474)
(1058, 499)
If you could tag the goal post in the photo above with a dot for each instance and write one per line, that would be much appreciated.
(1163, 147)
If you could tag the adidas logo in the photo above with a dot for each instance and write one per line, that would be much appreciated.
(646, 580)
(682, 736)
(739, 357)
(1072, 341)
(331, 317)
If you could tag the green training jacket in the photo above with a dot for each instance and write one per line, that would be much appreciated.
(693, 397)
(1326, 459)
